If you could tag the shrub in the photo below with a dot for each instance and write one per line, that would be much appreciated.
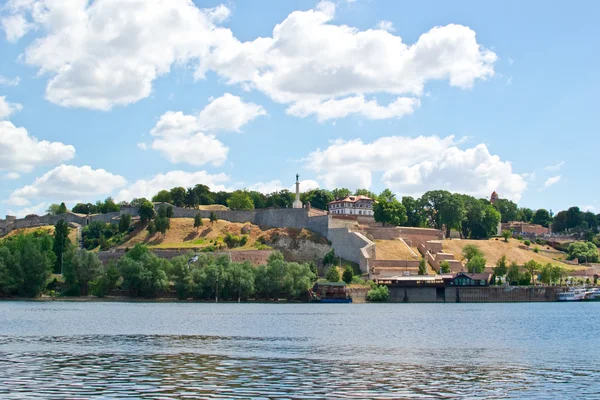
(378, 293)
(536, 250)
(444, 267)
(527, 243)
(348, 274)
(333, 275)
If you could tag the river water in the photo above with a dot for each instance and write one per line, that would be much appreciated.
(198, 350)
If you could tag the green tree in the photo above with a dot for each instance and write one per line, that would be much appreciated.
(365, 192)
(162, 224)
(501, 267)
(445, 267)
(423, 267)
(240, 200)
(213, 217)
(330, 258)
(53, 209)
(508, 210)
(340, 193)
(524, 214)
(318, 198)
(83, 268)
(124, 223)
(550, 274)
(198, 221)
(258, 199)
(146, 211)
(348, 274)
(506, 235)
(387, 195)
(470, 250)
(178, 196)
(106, 281)
(531, 267)
(389, 212)
(513, 275)
(144, 274)
(542, 217)
(62, 209)
(164, 196)
(61, 242)
(442, 208)
(333, 274)
(414, 216)
(191, 198)
(476, 264)
(480, 219)
(151, 228)
(181, 276)
(378, 294)
(584, 252)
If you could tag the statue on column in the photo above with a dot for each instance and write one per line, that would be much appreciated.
(297, 176)
(297, 203)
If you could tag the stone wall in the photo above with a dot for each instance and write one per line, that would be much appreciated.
(349, 245)
(489, 294)
(413, 295)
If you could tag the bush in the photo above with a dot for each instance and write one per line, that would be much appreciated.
(378, 293)
(333, 275)
(527, 243)
(476, 264)
(233, 241)
(536, 250)
(444, 267)
(348, 274)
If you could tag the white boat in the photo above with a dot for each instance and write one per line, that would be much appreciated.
(573, 295)
(593, 294)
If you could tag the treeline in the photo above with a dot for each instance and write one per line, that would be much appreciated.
(27, 263)
(440, 209)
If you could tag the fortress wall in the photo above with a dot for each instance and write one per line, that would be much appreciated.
(282, 218)
(349, 245)
(319, 224)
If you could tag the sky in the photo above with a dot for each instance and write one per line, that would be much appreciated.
(124, 98)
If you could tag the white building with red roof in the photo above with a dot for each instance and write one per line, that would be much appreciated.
(352, 205)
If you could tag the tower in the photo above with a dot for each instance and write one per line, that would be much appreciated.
(297, 202)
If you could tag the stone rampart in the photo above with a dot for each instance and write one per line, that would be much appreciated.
(488, 294)
(349, 245)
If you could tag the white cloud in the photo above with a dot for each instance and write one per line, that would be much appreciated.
(198, 149)
(267, 187)
(10, 82)
(8, 108)
(310, 60)
(38, 209)
(149, 187)
(333, 109)
(412, 166)
(551, 181)
(385, 26)
(67, 183)
(105, 53)
(555, 167)
(142, 146)
(15, 27)
(305, 186)
(228, 113)
(180, 137)
(21, 152)
(11, 176)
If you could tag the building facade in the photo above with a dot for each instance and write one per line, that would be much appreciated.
(352, 205)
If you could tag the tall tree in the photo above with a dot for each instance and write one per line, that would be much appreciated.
(258, 199)
(178, 196)
(191, 198)
(442, 208)
(164, 196)
(124, 223)
(340, 193)
(240, 200)
(62, 208)
(541, 217)
(146, 211)
(414, 216)
(389, 212)
(318, 198)
(525, 214)
(365, 192)
(83, 267)
(387, 195)
(61, 243)
(481, 218)
(508, 210)
(53, 209)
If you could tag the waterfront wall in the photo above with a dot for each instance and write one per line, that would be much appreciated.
(488, 294)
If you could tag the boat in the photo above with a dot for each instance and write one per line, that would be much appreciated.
(593, 294)
(573, 295)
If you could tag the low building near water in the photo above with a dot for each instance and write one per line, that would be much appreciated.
(329, 291)
(469, 279)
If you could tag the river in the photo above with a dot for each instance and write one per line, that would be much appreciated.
(199, 350)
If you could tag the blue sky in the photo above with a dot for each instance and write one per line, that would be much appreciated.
(125, 98)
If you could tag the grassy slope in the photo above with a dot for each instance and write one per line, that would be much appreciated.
(183, 234)
(392, 250)
(49, 229)
(494, 249)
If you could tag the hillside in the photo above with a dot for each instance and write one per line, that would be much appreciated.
(183, 235)
(393, 250)
(494, 249)
(49, 229)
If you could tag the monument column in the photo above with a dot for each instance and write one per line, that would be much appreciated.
(297, 202)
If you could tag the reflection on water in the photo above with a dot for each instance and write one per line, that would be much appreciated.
(279, 351)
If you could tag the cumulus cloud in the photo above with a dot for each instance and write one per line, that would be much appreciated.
(181, 138)
(551, 181)
(67, 183)
(7, 108)
(555, 167)
(411, 166)
(38, 209)
(310, 60)
(276, 185)
(22, 152)
(149, 187)
(105, 53)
